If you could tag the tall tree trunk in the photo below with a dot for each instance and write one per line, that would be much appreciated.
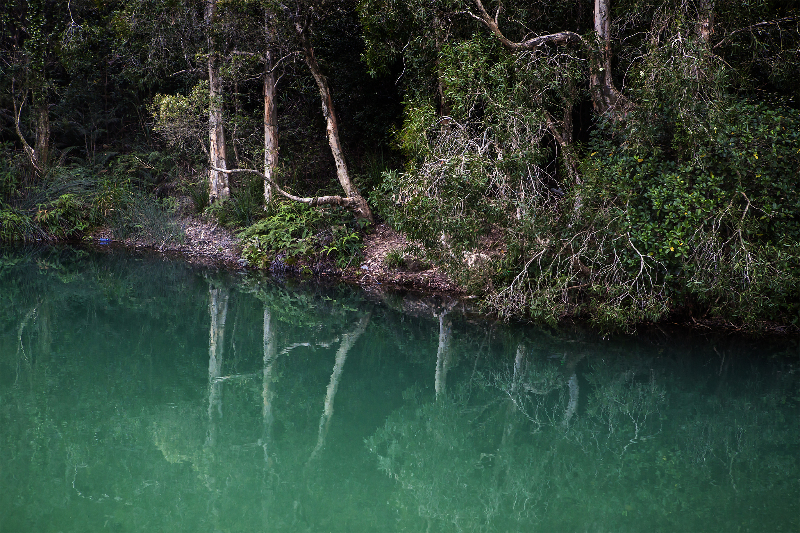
(270, 129)
(444, 109)
(31, 152)
(332, 126)
(703, 29)
(42, 150)
(218, 181)
(705, 19)
(605, 97)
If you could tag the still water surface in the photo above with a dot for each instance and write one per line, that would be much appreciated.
(138, 394)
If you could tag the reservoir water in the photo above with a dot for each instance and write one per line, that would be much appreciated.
(142, 394)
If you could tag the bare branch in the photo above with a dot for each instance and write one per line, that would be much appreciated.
(312, 201)
(564, 37)
(27, 147)
(187, 70)
(287, 56)
(757, 26)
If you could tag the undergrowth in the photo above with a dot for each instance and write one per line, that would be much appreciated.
(298, 233)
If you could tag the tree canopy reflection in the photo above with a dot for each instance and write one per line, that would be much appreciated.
(516, 450)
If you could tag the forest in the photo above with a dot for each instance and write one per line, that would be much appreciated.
(621, 162)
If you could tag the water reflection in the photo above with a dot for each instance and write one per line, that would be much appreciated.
(140, 394)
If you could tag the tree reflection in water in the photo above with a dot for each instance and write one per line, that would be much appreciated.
(519, 450)
(145, 396)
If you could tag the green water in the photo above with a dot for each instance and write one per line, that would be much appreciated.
(138, 394)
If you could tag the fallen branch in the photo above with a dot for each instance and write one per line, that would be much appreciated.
(343, 201)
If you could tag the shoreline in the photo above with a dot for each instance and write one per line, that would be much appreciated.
(210, 245)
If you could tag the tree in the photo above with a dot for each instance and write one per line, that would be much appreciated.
(218, 181)
(32, 32)
(301, 20)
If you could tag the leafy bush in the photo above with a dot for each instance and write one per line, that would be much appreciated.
(690, 201)
(299, 231)
(199, 193)
(395, 259)
(65, 217)
(16, 226)
(719, 216)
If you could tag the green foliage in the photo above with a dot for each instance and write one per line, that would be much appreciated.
(148, 219)
(298, 231)
(64, 217)
(686, 199)
(9, 172)
(110, 189)
(395, 259)
(199, 192)
(718, 214)
(245, 205)
(183, 120)
(15, 226)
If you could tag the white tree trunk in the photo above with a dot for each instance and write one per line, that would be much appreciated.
(270, 129)
(218, 181)
(43, 135)
(705, 22)
(332, 126)
(605, 96)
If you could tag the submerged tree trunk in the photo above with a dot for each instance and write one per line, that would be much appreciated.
(573, 387)
(332, 126)
(218, 181)
(511, 409)
(348, 341)
(270, 129)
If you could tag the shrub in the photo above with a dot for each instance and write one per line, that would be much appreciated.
(299, 231)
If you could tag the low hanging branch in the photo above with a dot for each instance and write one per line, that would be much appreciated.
(351, 203)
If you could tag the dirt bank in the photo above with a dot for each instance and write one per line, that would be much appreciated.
(206, 242)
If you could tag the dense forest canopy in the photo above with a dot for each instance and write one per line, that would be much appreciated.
(616, 160)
